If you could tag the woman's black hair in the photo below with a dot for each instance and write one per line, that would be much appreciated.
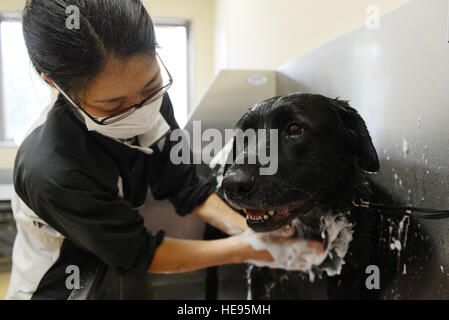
(72, 56)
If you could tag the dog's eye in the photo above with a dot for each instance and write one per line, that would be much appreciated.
(295, 129)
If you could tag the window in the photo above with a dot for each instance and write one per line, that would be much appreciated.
(173, 39)
(23, 94)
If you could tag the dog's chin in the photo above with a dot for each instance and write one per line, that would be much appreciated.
(267, 220)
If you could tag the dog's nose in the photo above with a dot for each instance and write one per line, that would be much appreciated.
(238, 183)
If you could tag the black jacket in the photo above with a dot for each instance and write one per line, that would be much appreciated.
(69, 178)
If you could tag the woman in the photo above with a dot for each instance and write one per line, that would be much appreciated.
(87, 164)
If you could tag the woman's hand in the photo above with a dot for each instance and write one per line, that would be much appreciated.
(176, 255)
(277, 250)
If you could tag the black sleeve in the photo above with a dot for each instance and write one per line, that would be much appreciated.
(78, 207)
(178, 182)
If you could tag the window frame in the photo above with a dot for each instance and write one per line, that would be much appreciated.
(177, 22)
(169, 22)
(15, 17)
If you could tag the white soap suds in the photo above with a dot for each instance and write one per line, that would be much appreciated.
(220, 161)
(248, 277)
(395, 245)
(405, 220)
(401, 225)
(298, 256)
(397, 179)
(219, 180)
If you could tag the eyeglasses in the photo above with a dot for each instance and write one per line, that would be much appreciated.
(120, 115)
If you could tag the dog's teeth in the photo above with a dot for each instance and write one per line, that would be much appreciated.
(260, 218)
(271, 213)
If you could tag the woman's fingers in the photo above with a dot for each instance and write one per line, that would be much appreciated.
(287, 232)
(266, 256)
(316, 246)
(281, 250)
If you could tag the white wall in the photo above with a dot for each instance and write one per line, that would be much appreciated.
(264, 34)
(201, 15)
(12, 5)
(7, 156)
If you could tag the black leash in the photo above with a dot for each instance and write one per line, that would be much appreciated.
(420, 213)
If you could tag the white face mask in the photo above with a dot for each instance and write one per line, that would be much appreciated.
(139, 122)
(146, 122)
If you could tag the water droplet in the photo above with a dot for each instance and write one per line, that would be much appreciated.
(419, 122)
(405, 147)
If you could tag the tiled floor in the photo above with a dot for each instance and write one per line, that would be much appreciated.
(4, 280)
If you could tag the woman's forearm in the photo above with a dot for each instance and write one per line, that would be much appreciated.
(175, 255)
(218, 214)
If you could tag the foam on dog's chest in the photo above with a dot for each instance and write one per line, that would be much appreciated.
(297, 256)
(339, 232)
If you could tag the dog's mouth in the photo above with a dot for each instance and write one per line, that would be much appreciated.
(308, 220)
(273, 219)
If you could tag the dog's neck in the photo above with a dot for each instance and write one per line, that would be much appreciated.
(341, 195)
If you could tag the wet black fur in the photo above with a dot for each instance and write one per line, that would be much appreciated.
(330, 158)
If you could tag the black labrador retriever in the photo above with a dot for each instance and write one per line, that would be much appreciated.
(324, 153)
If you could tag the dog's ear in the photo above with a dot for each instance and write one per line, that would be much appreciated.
(359, 137)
